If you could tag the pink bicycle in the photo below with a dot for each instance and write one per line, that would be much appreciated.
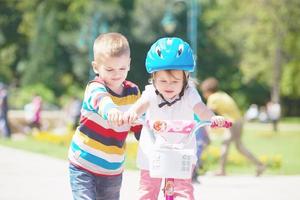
(170, 158)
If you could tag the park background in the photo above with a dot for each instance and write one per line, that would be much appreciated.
(252, 47)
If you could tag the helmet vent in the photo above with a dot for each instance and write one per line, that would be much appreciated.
(158, 51)
(180, 50)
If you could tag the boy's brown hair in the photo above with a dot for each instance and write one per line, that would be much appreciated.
(210, 85)
(110, 45)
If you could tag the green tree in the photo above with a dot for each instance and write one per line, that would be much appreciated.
(13, 43)
(261, 38)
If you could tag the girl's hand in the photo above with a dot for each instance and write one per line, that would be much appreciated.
(115, 117)
(218, 121)
(130, 117)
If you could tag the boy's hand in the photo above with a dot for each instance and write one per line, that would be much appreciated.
(218, 121)
(130, 117)
(115, 116)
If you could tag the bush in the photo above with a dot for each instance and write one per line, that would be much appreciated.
(21, 96)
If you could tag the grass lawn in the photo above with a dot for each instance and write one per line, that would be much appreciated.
(284, 146)
(29, 144)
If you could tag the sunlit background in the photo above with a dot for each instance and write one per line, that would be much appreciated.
(251, 47)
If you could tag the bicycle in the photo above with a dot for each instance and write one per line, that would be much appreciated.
(181, 164)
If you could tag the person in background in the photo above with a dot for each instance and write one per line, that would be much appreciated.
(263, 115)
(4, 124)
(252, 112)
(274, 112)
(74, 111)
(223, 104)
(33, 112)
(202, 141)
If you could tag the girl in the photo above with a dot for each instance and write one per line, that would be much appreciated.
(169, 97)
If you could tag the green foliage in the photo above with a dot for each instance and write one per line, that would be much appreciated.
(290, 80)
(29, 144)
(254, 41)
(21, 96)
(239, 42)
(12, 42)
(7, 57)
(147, 30)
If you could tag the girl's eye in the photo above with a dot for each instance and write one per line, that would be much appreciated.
(109, 70)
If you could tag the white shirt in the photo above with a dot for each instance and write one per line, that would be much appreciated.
(181, 110)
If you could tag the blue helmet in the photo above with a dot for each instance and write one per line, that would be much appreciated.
(170, 54)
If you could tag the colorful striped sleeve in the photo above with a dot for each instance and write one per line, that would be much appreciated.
(98, 100)
(105, 105)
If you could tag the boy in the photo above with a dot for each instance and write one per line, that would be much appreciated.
(222, 104)
(97, 149)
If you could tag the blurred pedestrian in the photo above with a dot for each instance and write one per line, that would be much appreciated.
(223, 104)
(4, 124)
(252, 113)
(263, 115)
(33, 112)
(202, 141)
(274, 112)
(74, 109)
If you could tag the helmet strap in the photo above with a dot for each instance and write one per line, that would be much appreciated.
(165, 102)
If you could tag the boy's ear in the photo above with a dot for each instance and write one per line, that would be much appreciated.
(94, 65)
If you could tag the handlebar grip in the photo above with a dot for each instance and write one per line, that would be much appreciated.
(227, 124)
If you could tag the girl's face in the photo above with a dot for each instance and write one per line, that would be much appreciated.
(169, 83)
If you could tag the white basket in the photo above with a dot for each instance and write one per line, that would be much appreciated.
(171, 163)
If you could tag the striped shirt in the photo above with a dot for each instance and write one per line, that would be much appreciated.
(99, 147)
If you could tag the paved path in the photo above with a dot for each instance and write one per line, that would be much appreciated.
(29, 176)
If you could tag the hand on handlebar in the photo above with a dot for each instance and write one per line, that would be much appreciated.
(220, 121)
(115, 117)
(130, 117)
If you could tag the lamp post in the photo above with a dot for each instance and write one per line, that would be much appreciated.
(169, 23)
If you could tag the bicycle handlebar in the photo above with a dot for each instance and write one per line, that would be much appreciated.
(190, 128)
(198, 125)
(227, 124)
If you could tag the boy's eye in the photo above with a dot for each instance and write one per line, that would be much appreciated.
(109, 70)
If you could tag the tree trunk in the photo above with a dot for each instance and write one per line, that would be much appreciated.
(275, 94)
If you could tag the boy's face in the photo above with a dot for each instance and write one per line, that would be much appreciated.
(113, 70)
(169, 83)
